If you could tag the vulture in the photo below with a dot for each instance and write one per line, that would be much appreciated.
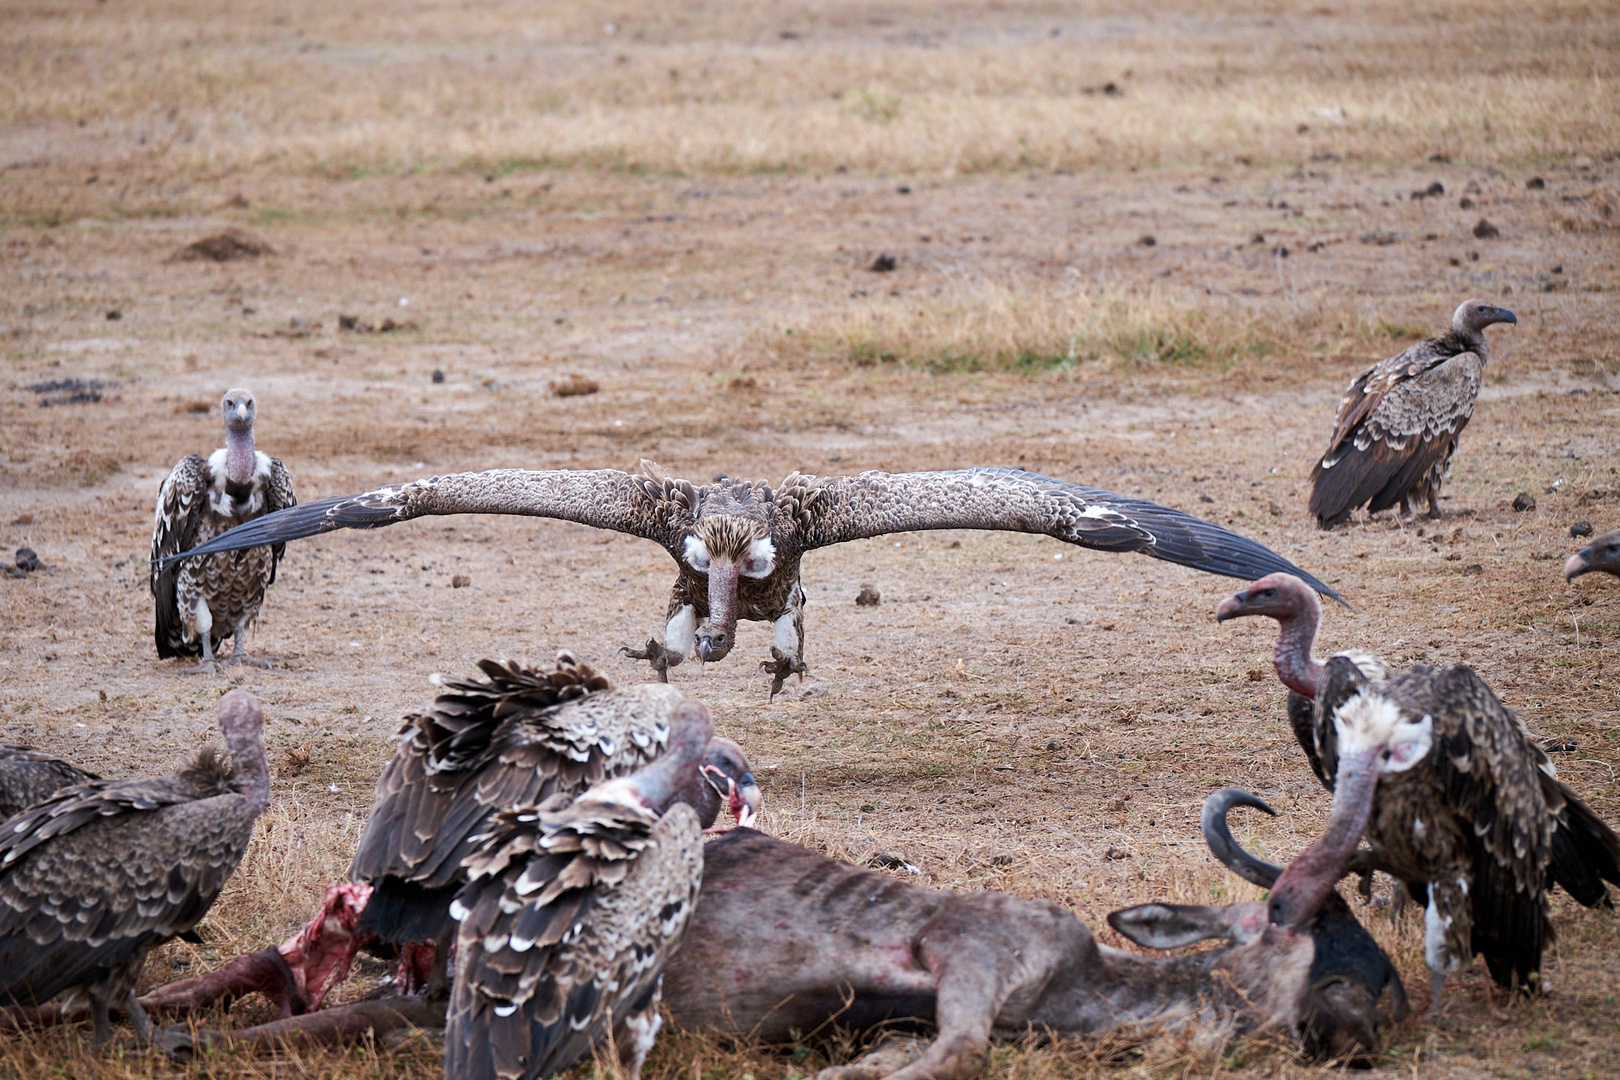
(202, 602)
(1399, 422)
(1453, 795)
(1601, 554)
(570, 911)
(29, 776)
(517, 736)
(737, 544)
(99, 874)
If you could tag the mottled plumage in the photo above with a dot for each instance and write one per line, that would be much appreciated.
(571, 910)
(96, 876)
(1458, 801)
(200, 602)
(738, 544)
(29, 776)
(1399, 422)
(1601, 555)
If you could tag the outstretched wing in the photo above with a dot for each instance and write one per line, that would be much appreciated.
(565, 932)
(651, 508)
(1398, 422)
(835, 509)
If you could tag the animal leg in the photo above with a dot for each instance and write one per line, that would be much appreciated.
(239, 654)
(137, 1017)
(438, 980)
(886, 1058)
(100, 1018)
(635, 1037)
(779, 667)
(656, 655)
(207, 666)
(337, 1026)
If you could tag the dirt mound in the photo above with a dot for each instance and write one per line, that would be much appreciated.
(225, 247)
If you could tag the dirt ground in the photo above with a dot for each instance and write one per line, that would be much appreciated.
(1161, 310)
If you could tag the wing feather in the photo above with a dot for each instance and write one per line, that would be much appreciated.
(837, 509)
(182, 505)
(639, 505)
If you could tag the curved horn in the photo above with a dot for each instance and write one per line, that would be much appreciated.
(1218, 835)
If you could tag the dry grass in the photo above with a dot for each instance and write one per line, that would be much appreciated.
(556, 216)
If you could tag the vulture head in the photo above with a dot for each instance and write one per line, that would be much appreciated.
(1473, 316)
(1375, 737)
(725, 780)
(239, 410)
(1601, 554)
(725, 547)
(241, 721)
(1293, 604)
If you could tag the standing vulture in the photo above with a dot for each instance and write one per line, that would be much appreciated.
(516, 737)
(29, 776)
(1601, 554)
(203, 601)
(1453, 795)
(94, 878)
(570, 912)
(1399, 422)
(737, 545)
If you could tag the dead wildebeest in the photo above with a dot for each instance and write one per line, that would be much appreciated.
(787, 942)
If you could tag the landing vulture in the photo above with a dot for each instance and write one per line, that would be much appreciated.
(201, 602)
(29, 776)
(1399, 422)
(517, 736)
(1453, 795)
(1601, 554)
(737, 544)
(570, 912)
(95, 877)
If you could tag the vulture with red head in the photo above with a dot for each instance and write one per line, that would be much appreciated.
(1451, 792)
(1399, 422)
(737, 544)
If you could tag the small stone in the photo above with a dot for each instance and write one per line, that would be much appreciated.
(114, 315)
(1473, 569)
(886, 860)
(1114, 854)
(868, 597)
(1465, 203)
(1581, 528)
(574, 386)
(1535, 183)
(1053, 744)
(27, 559)
(883, 263)
(23, 519)
(1002, 860)
(1148, 241)
(867, 808)
(438, 375)
(1523, 501)
(460, 581)
(903, 189)
(1486, 231)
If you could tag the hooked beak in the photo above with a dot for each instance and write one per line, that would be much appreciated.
(1232, 606)
(1314, 873)
(1578, 564)
(1504, 315)
(745, 801)
(719, 632)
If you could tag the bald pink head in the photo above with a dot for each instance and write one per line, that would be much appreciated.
(241, 721)
(1298, 612)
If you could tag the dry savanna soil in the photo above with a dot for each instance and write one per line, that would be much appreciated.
(1140, 247)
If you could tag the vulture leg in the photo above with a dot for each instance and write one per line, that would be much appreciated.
(239, 654)
(655, 654)
(207, 667)
(438, 980)
(779, 667)
(137, 1016)
(787, 655)
(100, 1017)
(634, 1038)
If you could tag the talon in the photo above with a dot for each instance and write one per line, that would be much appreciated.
(780, 666)
(655, 654)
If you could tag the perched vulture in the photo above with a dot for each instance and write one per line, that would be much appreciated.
(570, 911)
(203, 601)
(30, 776)
(1452, 794)
(95, 877)
(738, 544)
(1601, 554)
(516, 737)
(1399, 422)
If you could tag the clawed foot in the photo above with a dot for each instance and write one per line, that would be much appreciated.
(253, 661)
(655, 654)
(780, 666)
(207, 667)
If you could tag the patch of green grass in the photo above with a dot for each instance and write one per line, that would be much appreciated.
(1399, 330)
(1549, 1041)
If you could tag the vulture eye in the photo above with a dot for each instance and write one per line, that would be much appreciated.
(755, 567)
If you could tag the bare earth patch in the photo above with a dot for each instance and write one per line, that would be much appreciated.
(684, 214)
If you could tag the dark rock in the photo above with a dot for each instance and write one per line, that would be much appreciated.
(1535, 183)
(460, 581)
(1436, 188)
(888, 860)
(1148, 241)
(1466, 203)
(1580, 528)
(1114, 854)
(1002, 860)
(1473, 569)
(27, 559)
(1524, 501)
(1486, 231)
(868, 597)
(903, 189)
(438, 375)
(883, 264)
(114, 315)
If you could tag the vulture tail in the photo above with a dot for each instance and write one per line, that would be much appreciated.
(403, 911)
(1585, 853)
(168, 633)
